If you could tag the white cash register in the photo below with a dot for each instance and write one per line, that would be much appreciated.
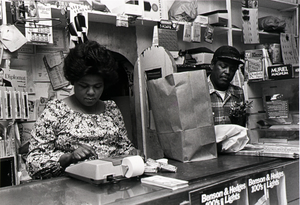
(105, 170)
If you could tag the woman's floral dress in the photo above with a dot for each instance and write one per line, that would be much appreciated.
(60, 129)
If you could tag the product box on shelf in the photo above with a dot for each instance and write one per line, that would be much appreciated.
(201, 19)
(155, 10)
(6, 93)
(17, 104)
(280, 99)
(148, 9)
(13, 103)
(217, 17)
(134, 8)
(256, 63)
(13, 83)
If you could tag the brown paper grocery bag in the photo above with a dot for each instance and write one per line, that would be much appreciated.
(182, 112)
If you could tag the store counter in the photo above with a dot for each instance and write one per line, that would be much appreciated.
(203, 175)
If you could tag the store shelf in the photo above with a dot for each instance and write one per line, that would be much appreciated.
(272, 81)
(280, 5)
(239, 31)
(280, 128)
(111, 18)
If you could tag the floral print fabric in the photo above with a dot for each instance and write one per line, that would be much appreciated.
(60, 129)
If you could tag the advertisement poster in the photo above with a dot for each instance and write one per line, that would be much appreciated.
(234, 193)
(267, 188)
(264, 188)
(13, 78)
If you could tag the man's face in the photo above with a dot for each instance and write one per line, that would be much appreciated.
(222, 73)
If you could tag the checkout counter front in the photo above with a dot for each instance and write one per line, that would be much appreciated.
(227, 179)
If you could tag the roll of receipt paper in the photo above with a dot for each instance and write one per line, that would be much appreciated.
(135, 166)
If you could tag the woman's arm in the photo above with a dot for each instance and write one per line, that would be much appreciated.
(43, 157)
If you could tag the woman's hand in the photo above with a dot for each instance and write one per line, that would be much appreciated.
(81, 153)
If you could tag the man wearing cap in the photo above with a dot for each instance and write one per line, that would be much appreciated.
(223, 94)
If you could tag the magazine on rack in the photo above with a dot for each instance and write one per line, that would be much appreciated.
(54, 65)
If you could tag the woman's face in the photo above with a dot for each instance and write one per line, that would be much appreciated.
(89, 89)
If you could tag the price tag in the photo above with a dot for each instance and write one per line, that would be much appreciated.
(196, 32)
(187, 32)
(122, 20)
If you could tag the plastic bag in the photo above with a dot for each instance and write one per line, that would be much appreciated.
(230, 137)
(183, 11)
(271, 24)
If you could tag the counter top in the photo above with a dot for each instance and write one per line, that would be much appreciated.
(202, 174)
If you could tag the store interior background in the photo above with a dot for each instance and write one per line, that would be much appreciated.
(128, 44)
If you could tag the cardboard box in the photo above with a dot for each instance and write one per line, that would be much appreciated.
(203, 58)
(256, 64)
(129, 9)
(149, 9)
(155, 9)
(217, 17)
(201, 19)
